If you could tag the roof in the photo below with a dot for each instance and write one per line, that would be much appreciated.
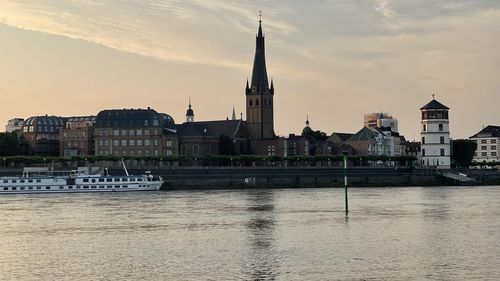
(43, 124)
(488, 131)
(230, 128)
(259, 72)
(434, 104)
(132, 118)
(365, 134)
(342, 136)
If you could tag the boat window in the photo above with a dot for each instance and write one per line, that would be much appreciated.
(5, 181)
(14, 181)
(101, 180)
(21, 181)
(93, 186)
(78, 187)
(117, 186)
(125, 186)
(139, 179)
(109, 180)
(47, 187)
(21, 188)
(30, 180)
(38, 187)
(93, 180)
(116, 179)
(14, 188)
(124, 179)
(109, 186)
(101, 186)
(30, 187)
(61, 187)
(85, 186)
(5, 188)
(85, 180)
(38, 180)
(70, 187)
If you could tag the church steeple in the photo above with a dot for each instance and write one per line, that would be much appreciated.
(234, 114)
(259, 97)
(259, 72)
(189, 113)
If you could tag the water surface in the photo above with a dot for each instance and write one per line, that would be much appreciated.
(435, 233)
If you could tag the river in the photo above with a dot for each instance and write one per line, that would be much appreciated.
(407, 233)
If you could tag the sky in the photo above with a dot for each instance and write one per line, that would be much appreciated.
(334, 60)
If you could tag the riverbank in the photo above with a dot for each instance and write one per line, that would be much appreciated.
(304, 177)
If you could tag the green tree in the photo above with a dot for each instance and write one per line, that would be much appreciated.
(463, 152)
(9, 144)
(314, 136)
(226, 146)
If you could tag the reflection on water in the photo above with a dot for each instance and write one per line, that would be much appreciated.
(439, 233)
(263, 260)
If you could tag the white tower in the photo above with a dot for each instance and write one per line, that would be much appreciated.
(435, 133)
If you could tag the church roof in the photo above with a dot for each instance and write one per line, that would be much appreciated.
(230, 128)
(434, 104)
(132, 118)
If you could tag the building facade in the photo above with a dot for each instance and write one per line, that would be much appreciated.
(14, 125)
(77, 137)
(488, 144)
(135, 132)
(40, 135)
(435, 133)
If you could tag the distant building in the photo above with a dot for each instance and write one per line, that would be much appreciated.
(40, 135)
(488, 144)
(339, 138)
(201, 138)
(412, 148)
(297, 145)
(77, 136)
(435, 145)
(14, 125)
(135, 132)
(379, 120)
(369, 141)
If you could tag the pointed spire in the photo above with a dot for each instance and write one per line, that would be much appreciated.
(248, 87)
(307, 120)
(272, 85)
(234, 114)
(259, 72)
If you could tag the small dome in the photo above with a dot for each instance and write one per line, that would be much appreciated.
(42, 124)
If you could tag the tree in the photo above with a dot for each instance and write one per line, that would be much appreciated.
(226, 146)
(314, 136)
(9, 144)
(463, 152)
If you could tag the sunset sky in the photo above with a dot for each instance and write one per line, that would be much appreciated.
(334, 60)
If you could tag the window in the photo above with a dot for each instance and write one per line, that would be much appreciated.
(131, 142)
(442, 151)
(424, 127)
(494, 141)
(441, 140)
(131, 132)
(440, 127)
(250, 103)
(139, 132)
(423, 152)
(183, 149)
(116, 132)
(169, 144)
(168, 152)
(196, 149)
(484, 154)
(155, 142)
(493, 147)
(101, 180)
(139, 142)
(423, 140)
(483, 141)
(147, 142)
(494, 153)
(85, 180)
(116, 142)
(124, 143)
(483, 147)
(256, 102)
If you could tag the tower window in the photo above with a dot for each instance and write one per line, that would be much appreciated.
(424, 128)
(250, 103)
(442, 151)
(256, 102)
(441, 140)
(423, 152)
(423, 140)
(440, 127)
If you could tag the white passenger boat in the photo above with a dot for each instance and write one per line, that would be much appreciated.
(40, 180)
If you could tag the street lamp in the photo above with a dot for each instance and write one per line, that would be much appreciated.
(195, 162)
(44, 161)
(231, 162)
(4, 162)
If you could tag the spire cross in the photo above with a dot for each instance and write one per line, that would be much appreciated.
(260, 16)
(433, 96)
